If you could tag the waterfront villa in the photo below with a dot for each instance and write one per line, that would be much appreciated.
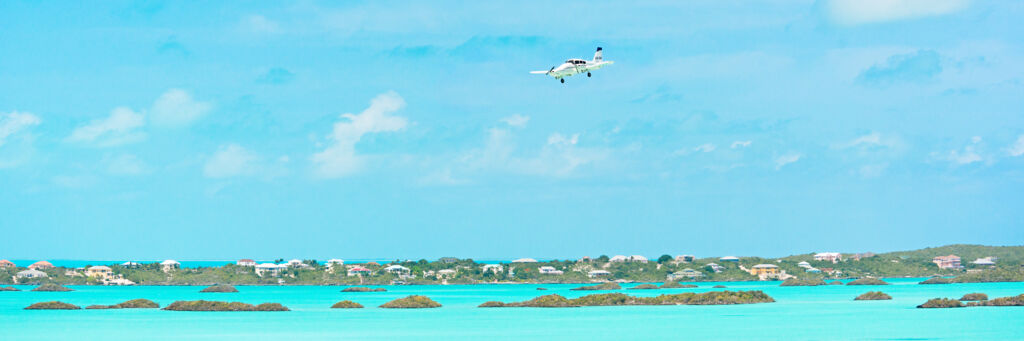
(833, 257)
(40, 265)
(246, 262)
(715, 267)
(549, 270)
(765, 270)
(271, 269)
(6, 264)
(812, 270)
(358, 271)
(493, 268)
(685, 273)
(987, 261)
(638, 259)
(524, 260)
(804, 265)
(102, 272)
(169, 265)
(947, 262)
(685, 258)
(598, 273)
(31, 273)
(333, 264)
(446, 273)
(618, 259)
(733, 259)
(397, 270)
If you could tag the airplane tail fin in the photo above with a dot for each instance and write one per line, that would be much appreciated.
(597, 55)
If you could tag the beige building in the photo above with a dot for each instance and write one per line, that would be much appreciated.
(101, 272)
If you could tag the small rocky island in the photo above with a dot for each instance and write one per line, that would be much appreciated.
(51, 287)
(806, 282)
(873, 296)
(363, 289)
(201, 305)
(942, 303)
(868, 281)
(716, 287)
(644, 287)
(937, 280)
(9, 289)
(412, 302)
(52, 305)
(141, 303)
(220, 288)
(975, 296)
(346, 304)
(835, 283)
(620, 299)
(602, 286)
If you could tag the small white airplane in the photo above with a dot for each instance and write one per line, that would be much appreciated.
(575, 66)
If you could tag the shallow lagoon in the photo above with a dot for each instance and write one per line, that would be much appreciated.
(805, 313)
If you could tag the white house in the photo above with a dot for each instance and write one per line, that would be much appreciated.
(715, 267)
(245, 262)
(598, 273)
(638, 259)
(130, 265)
(333, 264)
(985, 261)
(685, 258)
(685, 273)
(397, 269)
(618, 259)
(730, 259)
(31, 273)
(833, 257)
(446, 273)
(358, 271)
(271, 269)
(524, 260)
(804, 265)
(494, 268)
(549, 270)
(169, 265)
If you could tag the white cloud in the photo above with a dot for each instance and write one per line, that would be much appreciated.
(1017, 149)
(560, 156)
(177, 108)
(260, 24)
(116, 129)
(968, 154)
(340, 158)
(872, 140)
(740, 144)
(705, 148)
(230, 160)
(126, 164)
(855, 12)
(786, 159)
(516, 120)
(14, 122)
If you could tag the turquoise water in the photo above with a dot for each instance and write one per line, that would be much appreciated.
(800, 313)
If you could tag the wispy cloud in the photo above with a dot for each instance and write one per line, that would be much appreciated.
(856, 12)
(119, 128)
(967, 155)
(176, 108)
(740, 144)
(705, 148)
(516, 120)
(1017, 149)
(259, 24)
(917, 66)
(340, 158)
(785, 159)
(230, 160)
(13, 122)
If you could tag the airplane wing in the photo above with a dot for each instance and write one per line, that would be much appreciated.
(539, 72)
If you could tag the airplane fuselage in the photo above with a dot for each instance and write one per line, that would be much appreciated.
(574, 67)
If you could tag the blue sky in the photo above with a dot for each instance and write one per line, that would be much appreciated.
(386, 129)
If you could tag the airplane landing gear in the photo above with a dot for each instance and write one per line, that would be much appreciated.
(563, 80)
(588, 74)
